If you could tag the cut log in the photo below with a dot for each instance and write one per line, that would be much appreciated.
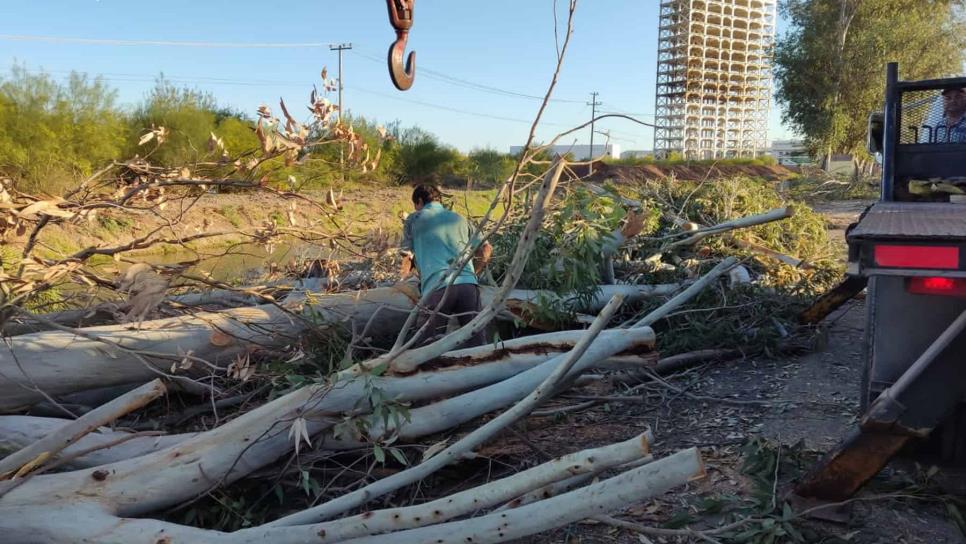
(591, 461)
(52, 444)
(612, 494)
(63, 522)
(259, 437)
(455, 411)
(60, 362)
(20, 431)
(558, 370)
(563, 486)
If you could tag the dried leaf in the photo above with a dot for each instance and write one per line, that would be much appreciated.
(299, 431)
(147, 290)
(435, 448)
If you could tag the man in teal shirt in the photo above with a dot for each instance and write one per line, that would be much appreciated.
(436, 238)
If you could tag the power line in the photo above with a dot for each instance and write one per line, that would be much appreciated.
(127, 77)
(440, 76)
(160, 43)
(451, 109)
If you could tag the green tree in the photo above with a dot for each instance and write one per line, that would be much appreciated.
(190, 117)
(490, 166)
(419, 157)
(52, 133)
(830, 64)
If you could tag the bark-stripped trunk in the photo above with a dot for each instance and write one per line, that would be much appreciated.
(61, 362)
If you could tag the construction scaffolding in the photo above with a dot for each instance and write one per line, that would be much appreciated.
(714, 78)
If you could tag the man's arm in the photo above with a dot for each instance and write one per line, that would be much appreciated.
(406, 247)
(482, 257)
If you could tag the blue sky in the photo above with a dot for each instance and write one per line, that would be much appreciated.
(503, 44)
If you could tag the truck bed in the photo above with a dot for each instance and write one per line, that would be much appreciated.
(912, 221)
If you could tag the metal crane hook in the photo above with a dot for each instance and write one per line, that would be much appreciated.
(401, 19)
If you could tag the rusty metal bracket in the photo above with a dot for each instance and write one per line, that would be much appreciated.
(911, 408)
(401, 19)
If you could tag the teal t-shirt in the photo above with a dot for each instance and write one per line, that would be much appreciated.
(437, 237)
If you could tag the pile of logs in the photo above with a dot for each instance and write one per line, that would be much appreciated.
(113, 479)
(71, 478)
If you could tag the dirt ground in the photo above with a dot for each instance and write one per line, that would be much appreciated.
(798, 407)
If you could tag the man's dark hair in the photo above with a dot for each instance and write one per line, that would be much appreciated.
(426, 193)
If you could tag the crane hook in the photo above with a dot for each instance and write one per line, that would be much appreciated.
(401, 19)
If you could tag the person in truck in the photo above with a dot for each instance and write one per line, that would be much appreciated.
(947, 120)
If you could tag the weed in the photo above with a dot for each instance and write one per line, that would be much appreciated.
(115, 225)
(278, 218)
(231, 213)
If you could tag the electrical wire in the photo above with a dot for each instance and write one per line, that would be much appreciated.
(161, 43)
(440, 76)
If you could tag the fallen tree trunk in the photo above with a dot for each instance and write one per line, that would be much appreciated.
(19, 431)
(486, 496)
(471, 367)
(60, 522)
(630, 487)
(53, 443)
(60, 362)
(571, 361)
(259, 437)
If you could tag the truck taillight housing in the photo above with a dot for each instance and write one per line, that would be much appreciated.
(951, 287)
(930, 257)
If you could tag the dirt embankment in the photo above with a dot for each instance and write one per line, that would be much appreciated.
(692, 172)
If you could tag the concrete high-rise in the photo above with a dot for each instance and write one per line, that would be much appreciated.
(714, 78)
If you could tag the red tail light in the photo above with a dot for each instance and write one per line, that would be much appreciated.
(953, 287)
(937, 257)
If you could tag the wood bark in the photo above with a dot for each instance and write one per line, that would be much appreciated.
(629, 487)
(55, 442)
(544, 389)
(19, 431)
(60, 362)
(592, 461)
(727, 226)
(83, 521)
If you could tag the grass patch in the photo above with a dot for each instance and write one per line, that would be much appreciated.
(115, 225)
(822, 187)
(232, 214)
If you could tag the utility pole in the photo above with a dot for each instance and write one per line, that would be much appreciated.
(340, 48)
(593, 115)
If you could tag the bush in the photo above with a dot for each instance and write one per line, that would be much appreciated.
(52, 133)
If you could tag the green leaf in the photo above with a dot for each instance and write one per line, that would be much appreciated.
(279, 494)
(379, 453)
(398, 454)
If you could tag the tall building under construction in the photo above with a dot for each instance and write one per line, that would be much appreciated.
(714, 78)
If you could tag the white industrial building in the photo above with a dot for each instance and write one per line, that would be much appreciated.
(790, 152)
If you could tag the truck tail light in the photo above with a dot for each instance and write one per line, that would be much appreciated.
(900, 256)
(953, 287)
